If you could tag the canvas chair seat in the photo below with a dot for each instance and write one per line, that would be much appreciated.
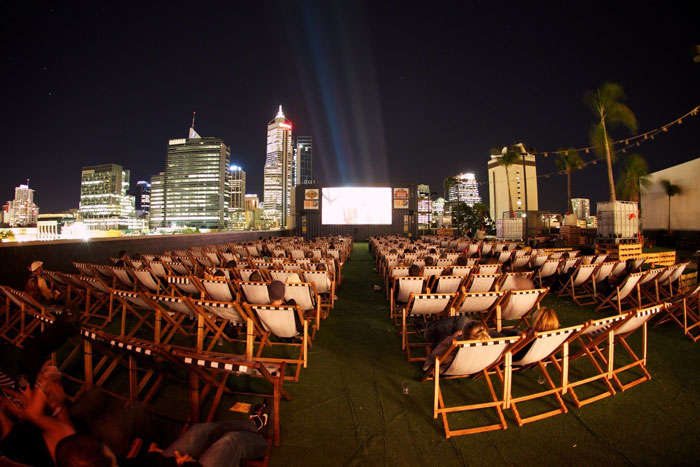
(489, 269)
(123, 276)
(429, 271)
(255, 292)
(219, 289)
(482, 282)
(184, 284)
(519, 304)
(147, 279)
(507, 281)
(447, 284)
(463, 271)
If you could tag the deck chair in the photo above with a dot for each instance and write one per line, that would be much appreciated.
(537, 261)
(477, 304)
(185, 286)
(255, 292)
(547, 270)
(518, 305)
(158, 268)
(520, 262)
(622, 293)
(169, 313)
(444, 262)
(86, 269)
(325, 287)
(490, 269)
(280, 321)
(27, 319)
(277, 275)
(472, 359)
(543, 348)
(684, 310)
(179, 267)
(447, 284)
(486, 249)
(63, 284)
(675, 276)
(305, 296)
(463, 271)
(98, 296)
(401, 292)
(637, 263)
(245, 273)
(422, 306)
(219, 288)
(507, 280)
(430, 271)
(482, 282)
(132, 305)
(123, 278)
(575, 285)
(148, 280)
(618, 271)
(599, 259)
(593, 334)
(648, 286)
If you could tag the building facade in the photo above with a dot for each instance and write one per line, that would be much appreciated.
(196, 183)
(104, 202)
(156, 213)
(522, 178)
(237, 183)
(465, 189)
(22, 211)
(581, 207)
(142, 197)
(278, 174)
(303, 160)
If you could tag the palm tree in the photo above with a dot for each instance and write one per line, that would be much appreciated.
(509, 156)
(569, 161)
(633, 177)
(606, 103)
(671, 191)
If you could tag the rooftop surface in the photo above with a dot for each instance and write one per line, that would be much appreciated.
(349, 409)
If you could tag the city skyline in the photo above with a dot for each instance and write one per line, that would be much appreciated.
(414, 106)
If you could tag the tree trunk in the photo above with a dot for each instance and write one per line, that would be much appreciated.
(669, 214)
(608, 158)
(510, 196)
(568, 188)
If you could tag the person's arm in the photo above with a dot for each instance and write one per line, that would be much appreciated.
(46, 292)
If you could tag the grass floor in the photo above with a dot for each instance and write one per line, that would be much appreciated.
(348, 407)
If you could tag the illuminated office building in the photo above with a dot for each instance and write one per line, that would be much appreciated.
(251, 202)
(104, 202)
(237, 183)
(466, 189)
(196, 183)
(581, 207)
(278, 174)
(156, 213)
(522, 178)
(22, 211)
(303, 152)
(142, 197)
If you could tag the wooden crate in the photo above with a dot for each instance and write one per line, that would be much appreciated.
(620, 252)
(688, 281)
(662, 258)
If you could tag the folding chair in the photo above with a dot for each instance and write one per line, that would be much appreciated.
(684, 310)
(622, 293)
(482, 282)
(280, 321)
(132, 304)
(463, 271)
(213, 317)
(29, 317)
(508, 279)
(430, 271)
(86, 269)
(255, 292)
(98, 296)
(477, 303)
(401, 292)
(646, 282)
(518, 305)
(543, 348)
(472, 359)
(447, 284)
(169, 313)
(425, 306)
(547, 270)
(244, 273)
(220, 289)
(123, 278)
(537, 261)
(185, 286)
(305, 296)
(520, 262)
(325, 287)
(582, 274)
(675, 276)
(148, 280)
(599, 259)
(490, 269)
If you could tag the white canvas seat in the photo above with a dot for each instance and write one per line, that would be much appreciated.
(179, 267)
(471, 358)
(490, 269)
(517, 305)
(684, 310)
(547, 270)
(98, 296)
(158, 268)
(213, 258)
(674, 277)
(430, 271)
(575, 285)
(219, 288)
(443, 262)
(325, 287)
(123, 276)
(556, 255)
(147, 280)
(306, 298)
(86, 269)
(538, 260)
(567, 265)
(482, 282)
(504, 256)
(509, 279)
(478, 303)
(622, 293)
(619, 269)
(543, 347)
(277, 275)
(463, 271)
(186, 285)
(447, 284)
(255, 292)
(486, 249)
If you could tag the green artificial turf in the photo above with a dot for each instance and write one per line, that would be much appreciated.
(348, 407)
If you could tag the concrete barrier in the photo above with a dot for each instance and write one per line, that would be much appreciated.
(60, 254)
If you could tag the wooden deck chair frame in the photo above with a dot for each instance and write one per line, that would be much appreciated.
(98, 296)
(681, 312)
(490, 279)
(420, 306)
(302, 359)
(25, 320)
(577, 280)
(220, 289)
(327, 299)
(185, 286)
(479, 304)
(623, 293)
(560, 344)
(675, 276)
(306, 290)
(494, 351)
(547, 270)
(213, 316)
(528, 301)
(133, 304)
(395, 305)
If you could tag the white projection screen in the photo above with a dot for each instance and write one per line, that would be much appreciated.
(356, 205)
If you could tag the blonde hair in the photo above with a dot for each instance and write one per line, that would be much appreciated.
(545, 320)
(477, 331)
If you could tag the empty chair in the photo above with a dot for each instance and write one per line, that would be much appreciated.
(478, 304)
(255, 292)
(463, 271)
(518, 305)
(684, 310)
(489, 268)
(184, 285)
(447, 284)
(482, 282)
(622, 293)
(219, 288)
(516, 281)
(148, 280)
(401, 291)
(576, 282)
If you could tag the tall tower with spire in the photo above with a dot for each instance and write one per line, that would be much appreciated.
(278, 174)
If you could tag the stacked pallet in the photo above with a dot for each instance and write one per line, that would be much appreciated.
(688, 281)
(620, 252)
(662, 258)
(573, 235)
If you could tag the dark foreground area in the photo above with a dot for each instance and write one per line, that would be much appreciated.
(349, 408)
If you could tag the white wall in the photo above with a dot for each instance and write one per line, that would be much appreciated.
(685, 207)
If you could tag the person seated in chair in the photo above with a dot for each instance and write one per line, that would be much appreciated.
(545, 320)
(441, 334)
(414, 271)
(462, 260)
(255, 277)
(37, 287)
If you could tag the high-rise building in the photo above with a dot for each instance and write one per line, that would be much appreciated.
(104, 202)
(156, 213)
(22, 211)
(581, 207)
(425, 206)
(237, 182)
(196, 183)
(278, 174)
(142, 197)
(465, 189)
(303, 155)
(522, 178)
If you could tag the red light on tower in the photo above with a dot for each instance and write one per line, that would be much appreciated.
(286, 125)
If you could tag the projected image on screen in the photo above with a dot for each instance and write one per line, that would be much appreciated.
(356, 205)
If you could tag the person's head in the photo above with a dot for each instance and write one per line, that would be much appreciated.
(475, 330)
(393, 251)
(447, 272)
(36, 267)
(219, 273)
(432, 251)
(414, 270)
(309, 254)
(321, 267)
(276, 292)
(78, 450)
(462, 260)
(231, 264)
(255, 277)
(156, 258)
(429, 261)
(545, 320)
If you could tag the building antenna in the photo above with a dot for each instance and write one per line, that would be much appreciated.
(27, 182)
(194, 114)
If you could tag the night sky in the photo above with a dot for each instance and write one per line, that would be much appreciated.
(389, 91)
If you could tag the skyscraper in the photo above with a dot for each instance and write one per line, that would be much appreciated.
(22, 211)
(522, 178)
(466, 189)
(303, 152)
(278, 174)
(104, 202)
(156, 214)
(142, 197)
(196, 183)
(237, 182)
